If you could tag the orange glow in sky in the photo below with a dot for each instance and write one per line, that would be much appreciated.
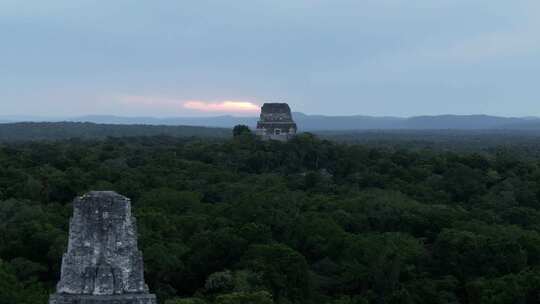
(223, 106)
(226, 106)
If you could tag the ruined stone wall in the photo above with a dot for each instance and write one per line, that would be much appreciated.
(102, 259)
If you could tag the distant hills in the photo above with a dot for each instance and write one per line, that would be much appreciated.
(225, 121)
(31, 131)
(317, 122)
(440, 122)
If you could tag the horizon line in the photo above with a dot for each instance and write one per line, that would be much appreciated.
(159, 117)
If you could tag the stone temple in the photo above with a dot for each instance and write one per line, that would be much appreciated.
(276, 122)
(103, 264)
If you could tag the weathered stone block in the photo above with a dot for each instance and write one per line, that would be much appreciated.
(103, 263)
(91, 299)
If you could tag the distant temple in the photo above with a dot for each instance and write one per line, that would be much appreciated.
(276, 122)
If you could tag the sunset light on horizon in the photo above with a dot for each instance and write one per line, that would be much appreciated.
(227, 106)
(177, 104)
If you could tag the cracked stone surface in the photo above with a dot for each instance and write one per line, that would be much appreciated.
(103, 263)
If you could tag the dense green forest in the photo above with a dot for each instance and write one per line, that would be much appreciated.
(237, 221)
(26, 131)
(525, 142)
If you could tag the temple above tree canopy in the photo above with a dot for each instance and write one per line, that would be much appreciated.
(276, 122)
(103, 264)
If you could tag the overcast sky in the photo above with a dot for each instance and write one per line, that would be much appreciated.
(181, 57)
